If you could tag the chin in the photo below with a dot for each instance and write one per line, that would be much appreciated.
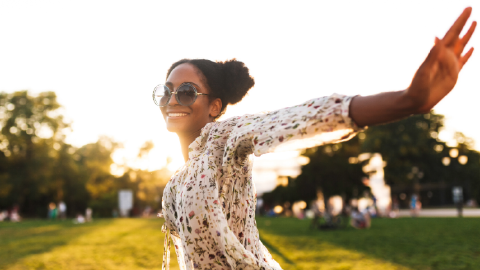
(177, 127)
(173, 128)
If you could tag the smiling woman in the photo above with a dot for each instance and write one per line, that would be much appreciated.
(202, 90)
(209, 203)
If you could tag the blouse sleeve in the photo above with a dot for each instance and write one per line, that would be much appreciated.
(315, 122)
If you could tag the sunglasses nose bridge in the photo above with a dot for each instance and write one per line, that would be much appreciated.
(173, 99)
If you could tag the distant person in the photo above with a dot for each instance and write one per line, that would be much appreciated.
(3, 215)
(317, 213)
(259, 209)
(287, 209)
(471, 203)
(359, 219)
(115, 213)
(62, 210)
(374, 208)
(395, 207)
(413, 205)
(52, 211)
(147, 212)
(79, 219)
(14, 214)
(212, 197)
(298, 211)
(88, 214)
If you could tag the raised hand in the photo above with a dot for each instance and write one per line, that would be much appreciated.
(438, 74)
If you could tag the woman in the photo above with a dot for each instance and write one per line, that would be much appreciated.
(209, 203)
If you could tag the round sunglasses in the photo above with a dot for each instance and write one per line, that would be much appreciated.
(185, 95)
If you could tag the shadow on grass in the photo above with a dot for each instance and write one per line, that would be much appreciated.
(422, 243)
(273, 249)
(19, 240)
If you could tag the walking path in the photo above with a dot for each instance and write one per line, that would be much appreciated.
(452, 212)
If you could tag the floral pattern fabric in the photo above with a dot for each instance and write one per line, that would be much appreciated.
(209, 203)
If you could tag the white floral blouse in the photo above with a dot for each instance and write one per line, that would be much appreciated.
(209, 203)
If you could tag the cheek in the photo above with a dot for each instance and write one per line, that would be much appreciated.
(203, 110)
(164, 112)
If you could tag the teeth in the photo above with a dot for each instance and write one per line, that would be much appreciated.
(177, 114)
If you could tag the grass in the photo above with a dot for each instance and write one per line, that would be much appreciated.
(422, 243)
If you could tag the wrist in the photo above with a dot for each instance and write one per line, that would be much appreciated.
(412, 104)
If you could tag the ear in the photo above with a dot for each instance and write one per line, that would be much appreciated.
(215, 107)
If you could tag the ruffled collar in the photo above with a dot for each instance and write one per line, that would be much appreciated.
(198, 145)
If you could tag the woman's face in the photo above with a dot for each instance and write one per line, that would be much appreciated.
(187, 119)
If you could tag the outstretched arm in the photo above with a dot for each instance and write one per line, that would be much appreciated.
(434, 79)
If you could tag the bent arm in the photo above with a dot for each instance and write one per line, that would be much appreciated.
(381, 108)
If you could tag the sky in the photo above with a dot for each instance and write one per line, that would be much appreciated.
(103, 58)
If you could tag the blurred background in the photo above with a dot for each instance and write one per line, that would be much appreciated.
(81, 138)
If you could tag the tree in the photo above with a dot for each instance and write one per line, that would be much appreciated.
(32, 131)
(37, 166)
(416, 163)
(333, 169)
(101, 188)
(415, 156)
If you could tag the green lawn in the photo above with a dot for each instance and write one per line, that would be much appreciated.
(422, 243)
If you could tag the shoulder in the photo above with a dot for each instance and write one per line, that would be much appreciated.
(232, 124)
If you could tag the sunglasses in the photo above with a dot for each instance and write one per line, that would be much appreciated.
(185, 95)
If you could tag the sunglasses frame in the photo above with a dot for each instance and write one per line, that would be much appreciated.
(176, 95)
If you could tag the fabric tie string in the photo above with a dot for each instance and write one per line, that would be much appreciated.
(166, 248)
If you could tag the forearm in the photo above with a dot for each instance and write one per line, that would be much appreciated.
(381, 108)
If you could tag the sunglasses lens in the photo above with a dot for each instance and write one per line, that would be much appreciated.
(186, 95)
(162, 95)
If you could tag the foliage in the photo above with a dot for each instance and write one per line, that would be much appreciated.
(408, 143)
(414, 154)
(32, 150)
(329, 170)
(37, 166)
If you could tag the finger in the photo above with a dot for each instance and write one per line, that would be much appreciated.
(465, 58)
(452, 34)
(460, 45)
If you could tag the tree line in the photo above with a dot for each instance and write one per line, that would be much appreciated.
(37, 166)
(417, 162)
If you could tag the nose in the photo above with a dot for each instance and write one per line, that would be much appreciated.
(173, 100)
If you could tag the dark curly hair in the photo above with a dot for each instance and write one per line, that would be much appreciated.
(229, 80)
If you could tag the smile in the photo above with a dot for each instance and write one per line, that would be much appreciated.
(177, 114)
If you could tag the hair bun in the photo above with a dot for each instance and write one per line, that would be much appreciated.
(237, 80)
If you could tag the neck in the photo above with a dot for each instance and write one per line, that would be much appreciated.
(186, 139)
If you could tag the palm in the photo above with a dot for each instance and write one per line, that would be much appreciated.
(438, 74)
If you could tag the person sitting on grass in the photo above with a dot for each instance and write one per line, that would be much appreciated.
(360, 219)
